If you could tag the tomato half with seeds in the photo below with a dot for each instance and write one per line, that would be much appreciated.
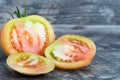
(29, 64)
(71, 52)
(27, 34)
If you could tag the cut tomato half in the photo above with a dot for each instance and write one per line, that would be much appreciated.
(71, 52)
(28, 34)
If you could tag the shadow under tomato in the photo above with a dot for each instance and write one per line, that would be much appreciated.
(3, 56)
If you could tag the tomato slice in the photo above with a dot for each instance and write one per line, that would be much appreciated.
(71, 52)
(29, 64)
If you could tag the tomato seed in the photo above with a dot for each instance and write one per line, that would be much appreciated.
(11, 40)
(24, 58)
(59, 59)
(18, 60)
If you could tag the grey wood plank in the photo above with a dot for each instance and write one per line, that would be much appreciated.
(81, 12)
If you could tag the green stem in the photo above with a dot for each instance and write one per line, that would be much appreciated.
(18, 14)
(25, 12)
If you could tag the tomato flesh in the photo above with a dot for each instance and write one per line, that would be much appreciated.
(25, 38)
(28, 62)
(71, 50)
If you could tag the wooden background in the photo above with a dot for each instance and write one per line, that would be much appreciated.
(97, 19)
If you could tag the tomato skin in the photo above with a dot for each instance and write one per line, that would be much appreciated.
(6, 31)
(42, 66)
(76, 64)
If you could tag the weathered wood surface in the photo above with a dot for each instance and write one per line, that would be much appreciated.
(67, 11)
(74, 17)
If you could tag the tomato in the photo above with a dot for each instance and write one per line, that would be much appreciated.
(71, 52)
(27, 34)
(29, 64)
